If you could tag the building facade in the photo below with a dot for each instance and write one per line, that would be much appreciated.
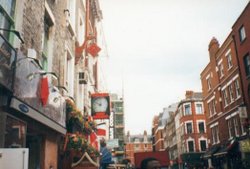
(193, 135)
(39, 70)
(226, 99)
(118, 129)
(137, 143)
(157, 132)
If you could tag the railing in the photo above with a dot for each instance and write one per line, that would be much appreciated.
(7, 60)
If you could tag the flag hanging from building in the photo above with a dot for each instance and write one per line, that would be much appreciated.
(44, 90)
(93, 49)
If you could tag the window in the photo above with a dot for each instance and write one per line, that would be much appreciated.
(48, 24)
(215, 134)
(15, 133)
(230, 128)
(187, 109)
(242, 33)
(203, 145)
(233, 127)
(247, 64)
(189, 129)
(7, 16)
(201, 127)
(221, 70)
(199, 108)
(236, 126)
(211, 107)
(230, 89)
(69, 72)
(71, 6)
(225, 95)
(190, 146)
(237, 88)
(209, 83)
(229, 61)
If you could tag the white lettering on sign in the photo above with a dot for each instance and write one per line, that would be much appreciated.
(111, 119)
(111, 133)
(111, 125)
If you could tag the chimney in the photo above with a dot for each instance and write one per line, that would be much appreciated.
(213, 47)
(189, 94)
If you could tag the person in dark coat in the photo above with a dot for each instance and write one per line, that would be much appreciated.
(106, 156)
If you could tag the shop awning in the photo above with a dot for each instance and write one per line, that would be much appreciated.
(211, 151)
(192, 157)
(226, 148)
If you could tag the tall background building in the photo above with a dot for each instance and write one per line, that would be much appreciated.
(117, 126)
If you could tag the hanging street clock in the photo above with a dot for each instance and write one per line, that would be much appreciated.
(100, 105)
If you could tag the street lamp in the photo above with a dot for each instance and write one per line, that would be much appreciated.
(34, 60)
(15, 32)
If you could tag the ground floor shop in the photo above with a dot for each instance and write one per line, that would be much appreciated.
(235, 154)
(22, 130)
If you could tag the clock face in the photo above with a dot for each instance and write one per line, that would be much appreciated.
(100, 104)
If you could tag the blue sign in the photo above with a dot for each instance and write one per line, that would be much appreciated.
(23, 108)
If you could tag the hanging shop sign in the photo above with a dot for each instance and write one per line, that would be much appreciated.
(93, 49)
(245, 145)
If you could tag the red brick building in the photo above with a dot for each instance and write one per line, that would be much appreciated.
(157, 133)
(193, 135)
(137, 143)
(226, 94)
(241, 35)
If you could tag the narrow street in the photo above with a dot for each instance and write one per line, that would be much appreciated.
(124, 84)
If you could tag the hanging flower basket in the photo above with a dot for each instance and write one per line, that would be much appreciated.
(77, 145)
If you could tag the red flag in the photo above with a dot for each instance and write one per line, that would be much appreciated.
(101, 132)
(44, 90)
(93, 49)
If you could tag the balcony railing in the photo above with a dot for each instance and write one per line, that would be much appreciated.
(7, 60)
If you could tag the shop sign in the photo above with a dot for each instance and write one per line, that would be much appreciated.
(23, 108)
(245, 145)
(111, 125)
(112, 143)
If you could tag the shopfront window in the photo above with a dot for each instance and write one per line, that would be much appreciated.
(15, 133)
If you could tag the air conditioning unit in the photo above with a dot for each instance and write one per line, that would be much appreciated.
(83, 77)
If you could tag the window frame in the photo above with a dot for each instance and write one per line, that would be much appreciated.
(8, 17)
(215, 134)
(190, 109)
(229, 61)
(221, 70)
(196, 108)
(186, 127)
(200, 140)
(198, 126)
(246, 60)
(225, 97)
(237, 88)
(188, 148)
(242, 33)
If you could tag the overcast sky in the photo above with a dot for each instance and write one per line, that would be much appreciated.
(158, 48)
